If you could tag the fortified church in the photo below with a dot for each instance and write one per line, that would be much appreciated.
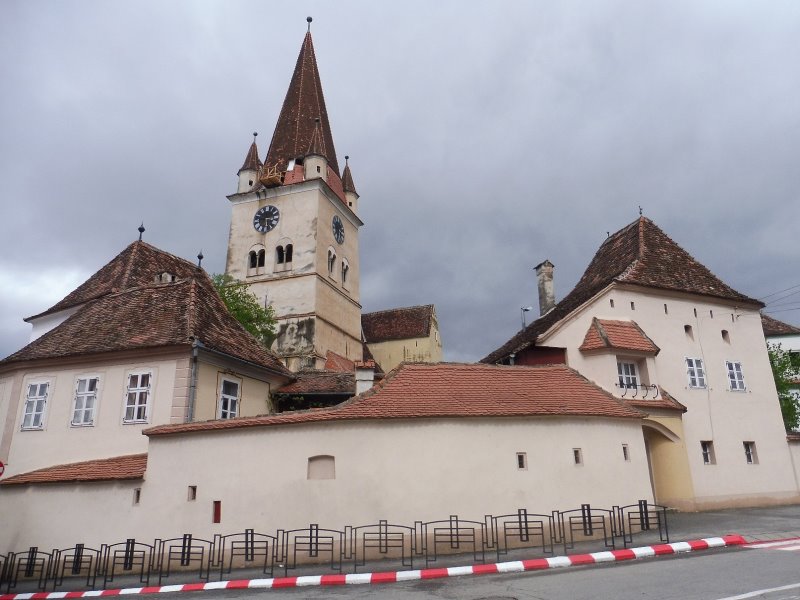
(141, 407)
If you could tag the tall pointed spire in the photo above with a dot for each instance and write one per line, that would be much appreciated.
(347, 177)
(251, 161)
(304, 103)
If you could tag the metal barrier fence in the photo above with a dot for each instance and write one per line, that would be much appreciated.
(344, 550)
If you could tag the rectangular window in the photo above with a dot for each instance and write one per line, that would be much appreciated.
(192, 495)
(750, 454)
(577, 456)
(625, 453)
(35, 404)
(735, 376)
(707, 448)
(522, 461)
(137, 495)
(228, 399)
(216, 516)
(696, 372)
(626, 372)
(85, 401)
(138, 398)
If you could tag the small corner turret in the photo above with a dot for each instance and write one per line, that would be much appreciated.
(350, 193)
(315, 164)
(248, 174)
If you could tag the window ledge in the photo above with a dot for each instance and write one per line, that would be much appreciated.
(81, 425)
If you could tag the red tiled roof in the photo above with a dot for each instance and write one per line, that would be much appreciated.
(151, 316)
(251, 161)
(639, 254)
(621, 335)
(774, 327)
(138, 264)
(347, 177)
(447, 390)
(304, 103)
(104, 469)
(313, 382)
(337, 362)
(397, 323)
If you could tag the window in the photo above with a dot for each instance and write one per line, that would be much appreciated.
(666, 310)
(707, 447)
(735, 376)
(626, 371)
(85, 401)
(633, 306)
(611, 302)
(252, 261)
(696, 373)
(750, 454)
(137, 495)
(331, 261)
(711, 313)
(625, 453)
(228, 399)
(192, 495)
(289, 251)
(687, 329)
(726, 337)
(138, 398)
(321, 467)
(35, 404)
(345, 270)
(216, 515)
(262, 257)
(522, 461)
(279, 255)
(577, 456)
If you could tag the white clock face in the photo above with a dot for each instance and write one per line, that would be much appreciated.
(338, 229)
(266, 218)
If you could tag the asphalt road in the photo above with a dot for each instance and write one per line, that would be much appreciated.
(726, 574)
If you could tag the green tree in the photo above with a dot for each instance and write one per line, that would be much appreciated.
(786, 371)
(244, 306)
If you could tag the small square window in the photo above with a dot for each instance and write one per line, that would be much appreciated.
(750, 454)
(707, 447)
(577, 456)
(522, 461)
(625, 453)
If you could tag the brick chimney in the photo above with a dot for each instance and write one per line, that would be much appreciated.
(544, 276)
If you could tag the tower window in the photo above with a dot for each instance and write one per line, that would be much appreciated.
(319, 169)
(331, 261)
(687, 329)
(707, 448)
(289, 250)
(522, 461)
(345, 269)
(279, 255)
(262, 257)
(750, 454)
(726, 336)
(253, 259)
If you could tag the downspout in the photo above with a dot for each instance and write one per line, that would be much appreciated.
(196, 344)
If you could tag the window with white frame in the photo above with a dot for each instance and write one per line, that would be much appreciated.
(696, 372)
(137, 400)
(35, 405)
(626, 372)
(735, 376)
(228, 399)
(85, 401)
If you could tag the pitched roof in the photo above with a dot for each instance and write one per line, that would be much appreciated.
(450, 390)
(337, 362)
(151, 316)
(251, 161)
(665, 400)
(397, 323)
(316, 382)
(347, 177)
(303, 104)
(138, 264)
(619, 335)
(774, 327)
(639, 254)
(104, 469)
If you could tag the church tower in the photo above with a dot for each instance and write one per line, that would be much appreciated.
(294, 229)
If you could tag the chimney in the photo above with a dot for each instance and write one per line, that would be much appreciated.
(365, 375)
(544, 275)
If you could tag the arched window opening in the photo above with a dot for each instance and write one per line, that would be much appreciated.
(279, 256)
(262, 257)
(289, 250)
(331, 261)
(253, 262)
(345, 269)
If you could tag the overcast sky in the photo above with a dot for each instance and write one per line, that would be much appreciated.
(484, 138)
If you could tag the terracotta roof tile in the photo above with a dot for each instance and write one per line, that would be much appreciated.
(104, 469)
(251, 161)
(774, 327)
(151, 316)
(640, 254)
(304, 103)
(337, 362)
(619, 335)
(347, 177)
(138, 264)
(445, 390)
(397, 323)
(314, 382)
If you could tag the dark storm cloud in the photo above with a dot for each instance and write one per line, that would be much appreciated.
(483, 139)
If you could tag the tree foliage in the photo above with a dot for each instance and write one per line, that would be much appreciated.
(786, 371)
(244, 306)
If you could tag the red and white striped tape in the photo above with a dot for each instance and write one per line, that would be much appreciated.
(516, 566)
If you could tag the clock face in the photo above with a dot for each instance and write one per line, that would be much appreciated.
(338, 229)
(266, 218)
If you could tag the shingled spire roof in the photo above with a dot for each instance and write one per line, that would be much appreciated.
(251, 161)
(303, 104)
(639, 254)
(347, 177)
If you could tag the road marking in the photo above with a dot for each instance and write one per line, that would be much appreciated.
(757, 593)
(791, 545)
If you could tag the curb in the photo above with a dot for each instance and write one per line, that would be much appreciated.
(517, 566)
